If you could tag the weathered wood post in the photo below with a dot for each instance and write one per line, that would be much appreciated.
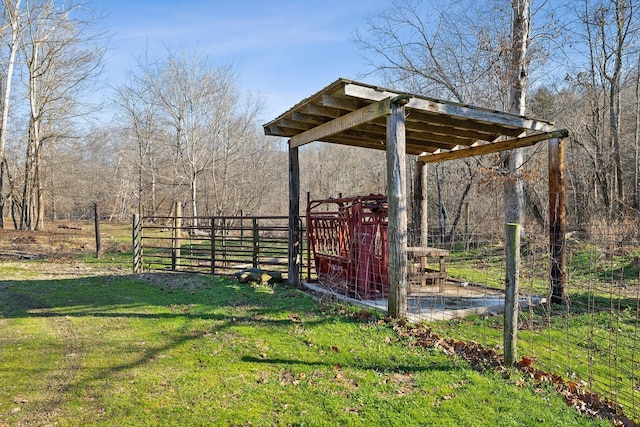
(213, 245)
(512, 254)
(176, 237)
(467, 225)
(308, 231)
(557, 220)
(96, 219)
(294, 218)
(256, 243)
(136, 249)
(397, 200)
(420, 204)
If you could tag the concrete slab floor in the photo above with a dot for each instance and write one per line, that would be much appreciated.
(448, 301)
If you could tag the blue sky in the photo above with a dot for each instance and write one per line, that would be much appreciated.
(284, 49)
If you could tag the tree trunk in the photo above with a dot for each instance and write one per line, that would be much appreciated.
(13, 12)
(513, 188)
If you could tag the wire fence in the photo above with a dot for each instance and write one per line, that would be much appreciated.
(457, 284)
(592, 340)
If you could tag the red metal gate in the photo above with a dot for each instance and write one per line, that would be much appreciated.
(348, 240)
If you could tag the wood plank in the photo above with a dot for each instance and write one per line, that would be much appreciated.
(342, 103)
(451, 109)
(460, 125)
(348, 121)
(494, 147)
(321, 110)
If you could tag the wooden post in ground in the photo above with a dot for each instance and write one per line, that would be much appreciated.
(467, 227)
(512, 254)
(213, 245)
(397, 200)
(256, 243)
(96, 216)
(420, 204)
(294, 218)
(176, 242)
(136, 248)
(557, 220)
(307, 238)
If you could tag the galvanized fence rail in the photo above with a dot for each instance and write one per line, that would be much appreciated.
(221, 245)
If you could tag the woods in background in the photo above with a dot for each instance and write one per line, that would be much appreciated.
(183, 129)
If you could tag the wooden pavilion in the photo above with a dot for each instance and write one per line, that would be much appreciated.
(358, 114)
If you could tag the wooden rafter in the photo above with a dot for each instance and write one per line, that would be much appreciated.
(343, 123)
(509, 144)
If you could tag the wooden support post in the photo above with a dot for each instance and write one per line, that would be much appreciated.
(136, 248)
(294, 218)
(557, 220)
(512, 253)
(420, 205)
(96, 219)
(213, 245)
(307, 238)
(397, 200)
(176, 241)
(467, 227)
(256, 243)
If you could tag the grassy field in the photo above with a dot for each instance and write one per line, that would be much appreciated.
(86, 343)
(172, 349)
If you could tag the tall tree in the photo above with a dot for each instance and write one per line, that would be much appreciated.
(453, 50)
(60, 56)
(11, 11)
(517, 77)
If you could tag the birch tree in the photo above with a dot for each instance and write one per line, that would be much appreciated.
(11, 9)
(517, 77)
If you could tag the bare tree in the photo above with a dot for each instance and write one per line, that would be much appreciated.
(60, 57)
(455, 51)
(12, 18)
(192, 128)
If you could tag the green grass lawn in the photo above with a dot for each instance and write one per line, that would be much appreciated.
(179, 349)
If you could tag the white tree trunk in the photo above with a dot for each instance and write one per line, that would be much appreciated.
(513, 187)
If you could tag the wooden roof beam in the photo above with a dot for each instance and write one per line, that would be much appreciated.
(451, 109)
(478, 150)
(355, 118)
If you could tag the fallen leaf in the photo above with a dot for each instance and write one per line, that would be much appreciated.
(526, 361)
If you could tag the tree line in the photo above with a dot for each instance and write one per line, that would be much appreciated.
(184, 130)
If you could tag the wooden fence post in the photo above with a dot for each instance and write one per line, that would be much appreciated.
(420, 205)
(557, 220)
(256, 243)
(96, 216)
(294, 218)
(213, 246)
(136, 249)
(512, 253)
(467, 227)
(176, 237)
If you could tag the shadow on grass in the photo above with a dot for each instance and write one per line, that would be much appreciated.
(223, 302)
(387, 368)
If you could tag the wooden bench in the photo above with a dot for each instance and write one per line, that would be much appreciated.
(420, 273)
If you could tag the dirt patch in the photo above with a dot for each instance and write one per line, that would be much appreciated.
(60, 244)
(54, 241)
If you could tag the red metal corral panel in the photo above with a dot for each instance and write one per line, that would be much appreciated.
(348, 240)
